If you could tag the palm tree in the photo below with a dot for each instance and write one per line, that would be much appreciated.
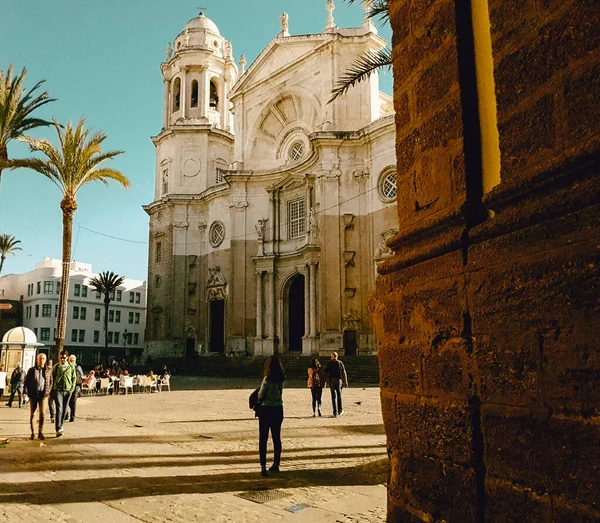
(8, 245)
(106, 283)
(73, 165)
(365, 65)
(16, 106)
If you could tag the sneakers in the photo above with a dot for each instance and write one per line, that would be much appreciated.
(274, 468)
(263, 472)
(72, 420)
(341, 412)
(52, 420)
(32, 436)
(41, 436)
(59, 432)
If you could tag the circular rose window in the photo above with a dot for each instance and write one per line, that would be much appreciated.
(216, 234)
(387, 186)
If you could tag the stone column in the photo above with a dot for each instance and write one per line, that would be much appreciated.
(202, 91)
(259, 305)
(312, 273)
(306, 302)
(273, 305)
(272, 220)
(167, 105)
(183, 99)
(223, 104)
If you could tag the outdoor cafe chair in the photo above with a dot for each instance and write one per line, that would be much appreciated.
(165, 382)
(105, 384)
(88, 389)
(126, 383)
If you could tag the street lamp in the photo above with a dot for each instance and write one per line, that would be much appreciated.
(124, 341)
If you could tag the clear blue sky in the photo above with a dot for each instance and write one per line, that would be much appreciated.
(101, 60)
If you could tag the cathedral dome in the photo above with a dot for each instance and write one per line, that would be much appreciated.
(202, 22)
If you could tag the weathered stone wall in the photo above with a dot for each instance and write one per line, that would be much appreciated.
(487, 315)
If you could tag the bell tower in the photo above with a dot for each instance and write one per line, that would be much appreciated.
(194, 144)
(198, 73)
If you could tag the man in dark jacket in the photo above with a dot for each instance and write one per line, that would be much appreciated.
(337, 377)
(38, 384)
(16, 385)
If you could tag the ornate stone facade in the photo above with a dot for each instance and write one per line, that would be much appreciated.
(264, 226)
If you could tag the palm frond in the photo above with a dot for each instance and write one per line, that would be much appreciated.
(17, 104)
(375, 9)
(8, 245)
(75, 162)
(361, 69)
(106, 282)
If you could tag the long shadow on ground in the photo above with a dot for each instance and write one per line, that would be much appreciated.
(107, 489)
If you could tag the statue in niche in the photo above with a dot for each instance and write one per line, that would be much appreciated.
(382, 251)
(260, 229)
(284, 18)
(313, 228)
(169, 51)
(215, 276)
(187, 38)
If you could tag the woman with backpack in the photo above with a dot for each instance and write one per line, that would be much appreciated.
(270, 413)
(316, 381)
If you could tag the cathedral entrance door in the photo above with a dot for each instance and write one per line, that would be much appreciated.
(190, 347)
(296, 314)
(217, 326)
(349, 343)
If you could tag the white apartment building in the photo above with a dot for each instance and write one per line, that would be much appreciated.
(39, 291)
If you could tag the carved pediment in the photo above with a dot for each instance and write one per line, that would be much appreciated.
(276, 56)
(290, 182)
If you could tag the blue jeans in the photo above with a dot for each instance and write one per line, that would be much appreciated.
(16, 389)
(61, 402)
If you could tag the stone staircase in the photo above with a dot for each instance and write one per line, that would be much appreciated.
(360, 369)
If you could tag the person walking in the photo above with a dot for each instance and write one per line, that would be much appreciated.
(49, 366)
(63, 385)
(16, 385)
(37, 385)
(2, 380)
(79, 377)
(316, 381)
(337, 377)
(270, 413)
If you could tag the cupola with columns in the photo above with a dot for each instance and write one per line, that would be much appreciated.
(198, 73)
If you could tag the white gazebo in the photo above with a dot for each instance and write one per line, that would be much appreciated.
(19, 345)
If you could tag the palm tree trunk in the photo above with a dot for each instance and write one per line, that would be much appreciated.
(2, 258)
(3, 157)
(68, 206)
(106, 304)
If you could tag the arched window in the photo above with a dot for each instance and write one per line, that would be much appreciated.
(213, 100)
(176, 94)
(194, 100)
(165, 181)
(296, 151)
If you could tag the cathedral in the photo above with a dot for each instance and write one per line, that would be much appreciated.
(272, 205)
